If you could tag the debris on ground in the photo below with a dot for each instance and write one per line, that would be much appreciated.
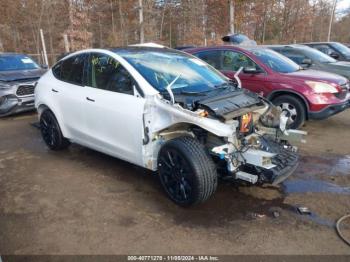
(304, 210)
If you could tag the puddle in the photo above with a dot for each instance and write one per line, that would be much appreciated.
(342, 166)
(324, 165)
(318, 220)
(313, 186)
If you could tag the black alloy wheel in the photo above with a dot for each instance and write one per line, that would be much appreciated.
(186, 171)
(51, 131)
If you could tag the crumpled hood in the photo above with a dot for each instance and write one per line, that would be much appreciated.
(21, 75)
(227, 104)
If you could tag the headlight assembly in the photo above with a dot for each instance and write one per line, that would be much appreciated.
(320, 87)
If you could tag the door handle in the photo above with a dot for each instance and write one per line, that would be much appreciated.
(89, 99)
(54, 90)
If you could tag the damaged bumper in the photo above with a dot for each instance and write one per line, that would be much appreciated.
(18, 98)
(271, 164)
(285, 163)
(266, 159)
(329, 111)
(12, 104)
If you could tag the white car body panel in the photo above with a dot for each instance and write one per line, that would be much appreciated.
(114, 124)
(119, 124)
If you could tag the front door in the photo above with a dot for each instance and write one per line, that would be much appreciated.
(113, 112)
(232, 61)
(229, 62)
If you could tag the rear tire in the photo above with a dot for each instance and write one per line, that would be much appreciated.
(295, 107)
(186, 171)
(51, 132)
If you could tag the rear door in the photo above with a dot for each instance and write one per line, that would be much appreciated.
(70, 94)
(113, 109)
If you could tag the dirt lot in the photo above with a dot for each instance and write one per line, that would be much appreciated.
(83, 202)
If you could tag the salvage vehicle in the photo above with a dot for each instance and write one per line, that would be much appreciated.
(305, 94)
(166, 111)
(18, 77)
(310, 58)
(335, 50)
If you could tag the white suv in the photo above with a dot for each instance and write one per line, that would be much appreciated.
(166, 111)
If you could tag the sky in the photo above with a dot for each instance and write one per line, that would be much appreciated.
(342, 5)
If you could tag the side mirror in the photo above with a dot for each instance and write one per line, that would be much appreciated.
(306, 62)
(334, 55)
(44, 66)
(251, 70)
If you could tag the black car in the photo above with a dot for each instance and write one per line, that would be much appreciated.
(18, 77)
(308, 57)
(333, 49)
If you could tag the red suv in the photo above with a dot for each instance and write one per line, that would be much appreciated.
(306, 94)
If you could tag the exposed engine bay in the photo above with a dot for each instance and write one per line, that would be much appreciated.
(245, 134)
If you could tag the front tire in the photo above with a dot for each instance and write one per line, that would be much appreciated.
(51, 132)
(295, 107)
(186, 171)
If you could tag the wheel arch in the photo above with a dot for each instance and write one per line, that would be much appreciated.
(273, 95)
(43, 107)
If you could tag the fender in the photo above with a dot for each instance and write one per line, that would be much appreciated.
(42, 107)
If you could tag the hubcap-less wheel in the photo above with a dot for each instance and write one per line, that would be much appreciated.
(292, 110)
(51, 132)
(48, 129)
(295, 107)
(174, 172)
(186, 171)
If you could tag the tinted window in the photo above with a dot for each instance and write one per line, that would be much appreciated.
(315, 55)
(325, 49)
(211, 57)
(295, 56)
(233, 61)
(226, 60)
(275, 61)
(72, 69)
(56, 70)
(108, 74)
(342, 49)
(16, 62)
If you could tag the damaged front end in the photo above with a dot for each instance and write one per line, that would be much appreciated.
(245, 134)
(262, 152)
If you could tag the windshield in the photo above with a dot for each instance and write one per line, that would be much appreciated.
(316, 55)
(16, 62)
(275, 61)
(342, 49)
(160, 68)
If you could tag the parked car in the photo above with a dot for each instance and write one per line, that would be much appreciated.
(238, 39)
(184, 47)
(165, 110)
(310, 58)
(18, 77)
(334, 49)
(305, 94)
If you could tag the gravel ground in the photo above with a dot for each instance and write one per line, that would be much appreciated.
(83, 202)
